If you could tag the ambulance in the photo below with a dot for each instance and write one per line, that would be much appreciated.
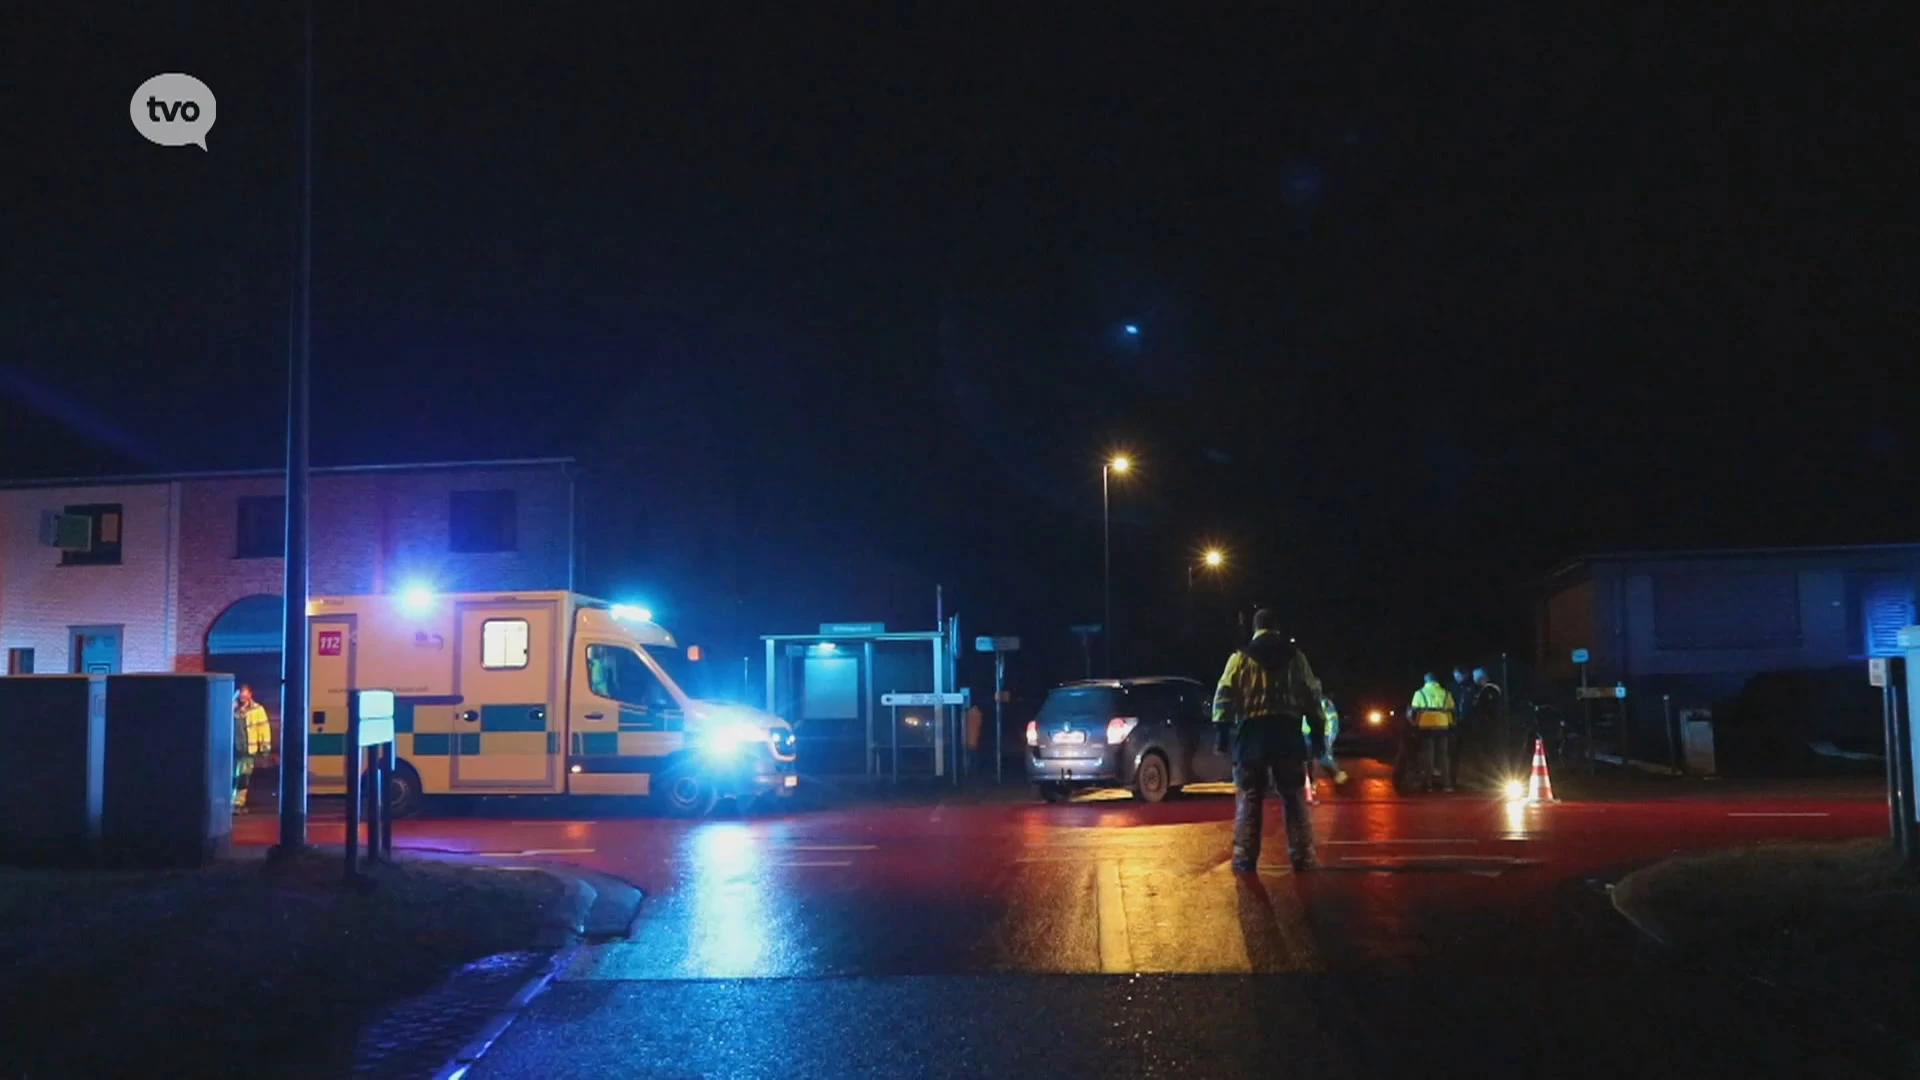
(532, 693)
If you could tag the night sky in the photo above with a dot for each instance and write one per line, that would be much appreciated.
(832, 305)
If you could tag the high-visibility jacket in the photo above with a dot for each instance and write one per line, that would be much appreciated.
(1433, 707)
(1332, 717)
(258, 729)
(1265, 687)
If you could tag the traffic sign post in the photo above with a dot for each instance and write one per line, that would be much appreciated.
(999, 647)
(1581, 656)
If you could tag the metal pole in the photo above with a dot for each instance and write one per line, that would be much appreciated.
(1506, 712)
(1893, 764)
(293, 643)
(999, 725)
(939, 716)
(386, 808)
(893, 711)
(1106, 575)
(1586, 719)
(352, 769)
(1666, 721)
(866, 707)
(378, 796)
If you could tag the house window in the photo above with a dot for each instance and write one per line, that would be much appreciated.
(503, 643)
(19, 661)
(1728, 609)
(103, 536)
(262, 527)
(481, 521)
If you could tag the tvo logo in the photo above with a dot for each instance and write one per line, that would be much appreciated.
(173, 110)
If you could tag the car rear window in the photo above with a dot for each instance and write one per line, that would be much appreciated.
(1082, 702)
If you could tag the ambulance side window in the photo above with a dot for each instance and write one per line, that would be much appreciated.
(619, 675)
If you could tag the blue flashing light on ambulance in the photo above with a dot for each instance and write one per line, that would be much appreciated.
(533, 693)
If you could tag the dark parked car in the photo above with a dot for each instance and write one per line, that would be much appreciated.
(1153, 735)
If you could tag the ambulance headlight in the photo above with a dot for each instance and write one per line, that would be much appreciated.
(726, 739)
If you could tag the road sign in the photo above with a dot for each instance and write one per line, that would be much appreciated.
(996, 644)
(1579, 656)
(1087, 628)
(1877, 671)
(923, 699)
(1600, 693)
(853, 628)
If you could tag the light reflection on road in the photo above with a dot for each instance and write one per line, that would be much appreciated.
(729, 925)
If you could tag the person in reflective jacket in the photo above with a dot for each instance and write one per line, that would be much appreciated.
(1266, 692)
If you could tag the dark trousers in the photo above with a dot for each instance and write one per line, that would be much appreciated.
(1437, 756)
(1287, 775)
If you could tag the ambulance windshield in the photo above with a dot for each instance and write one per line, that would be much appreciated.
(694, 677)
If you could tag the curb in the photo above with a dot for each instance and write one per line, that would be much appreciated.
(1639, 921)
(496, 1026)
(564, 935)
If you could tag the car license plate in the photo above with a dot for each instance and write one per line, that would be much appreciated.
(792, 781)
(1069, 738)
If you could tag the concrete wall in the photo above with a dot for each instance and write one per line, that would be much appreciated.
(40, 599)
(372, 531)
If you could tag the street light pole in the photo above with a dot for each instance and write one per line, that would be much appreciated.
(1118, 463)
(1106, 574)
(293, 643)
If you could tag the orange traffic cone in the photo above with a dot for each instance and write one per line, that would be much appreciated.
(1540, 785)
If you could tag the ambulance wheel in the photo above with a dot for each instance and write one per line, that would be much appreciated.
(1151, 782)
(685, 793)
(404, 795)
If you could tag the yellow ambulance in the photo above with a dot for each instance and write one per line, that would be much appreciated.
(532, 693)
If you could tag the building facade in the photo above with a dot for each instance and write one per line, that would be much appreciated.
(184, 573)
(1772, 644)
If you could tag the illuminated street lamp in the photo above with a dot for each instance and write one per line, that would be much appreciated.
(1212, 559)
(1119, 463)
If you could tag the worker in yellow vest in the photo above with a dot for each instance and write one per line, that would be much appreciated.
(1432, 714)
(252, 739)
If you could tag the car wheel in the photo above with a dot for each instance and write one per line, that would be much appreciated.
(685, 793)
(1052, 793)
(1151, 782)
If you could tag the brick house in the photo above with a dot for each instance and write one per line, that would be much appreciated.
(184, 572)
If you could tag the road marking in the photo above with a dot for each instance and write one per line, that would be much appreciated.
(1409, 840)
(1116, 955)
(828, 847)
(534, 851)
(1775, 813)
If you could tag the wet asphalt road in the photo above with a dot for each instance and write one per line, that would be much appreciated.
(1445, 935)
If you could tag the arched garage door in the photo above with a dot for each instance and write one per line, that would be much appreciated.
(245, 642)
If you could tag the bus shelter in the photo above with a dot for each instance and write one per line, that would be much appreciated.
(840, 689)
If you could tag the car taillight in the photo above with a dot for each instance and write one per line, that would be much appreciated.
(1033, 733)
(1119, 728)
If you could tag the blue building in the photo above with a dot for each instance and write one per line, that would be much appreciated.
(1773, 642)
